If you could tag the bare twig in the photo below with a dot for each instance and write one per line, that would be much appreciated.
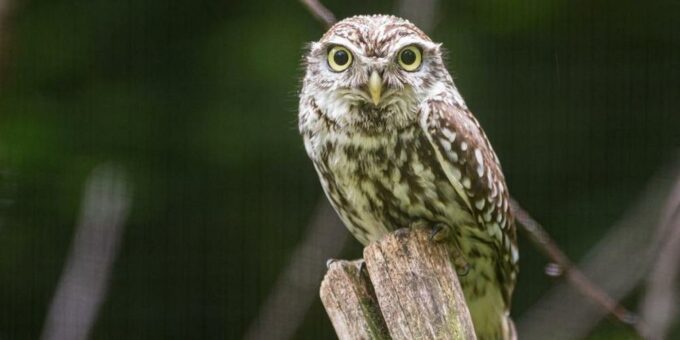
(320, 12)
(545, 244)
(83, 284)
(565, 313)
(659, 305)
(295, 289)
(420, 12)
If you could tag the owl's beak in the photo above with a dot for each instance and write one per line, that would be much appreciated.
(375, 87)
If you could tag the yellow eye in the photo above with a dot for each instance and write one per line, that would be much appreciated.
(410, 58)
(339, 58)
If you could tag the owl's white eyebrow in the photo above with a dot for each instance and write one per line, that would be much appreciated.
(423, 45)
(342, 42)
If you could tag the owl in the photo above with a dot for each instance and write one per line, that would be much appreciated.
(395, 146)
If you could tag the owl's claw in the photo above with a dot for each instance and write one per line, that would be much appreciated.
(401, 232)
(459, 261)
(439, 233)
(463, 270)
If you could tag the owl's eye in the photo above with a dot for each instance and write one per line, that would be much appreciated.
(339, 58)
(410, 58)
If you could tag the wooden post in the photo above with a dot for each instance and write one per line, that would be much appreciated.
(350, 302)
(411, 291)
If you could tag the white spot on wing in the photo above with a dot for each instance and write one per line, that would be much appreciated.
(480, 163)
(478, 156)
(445, 144)
(454, 156)
(487, 213)
(456, 173)
(495, 231)
(449, 134)
(417, 168)
(515, 255)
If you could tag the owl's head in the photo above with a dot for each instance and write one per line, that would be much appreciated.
(372, 72)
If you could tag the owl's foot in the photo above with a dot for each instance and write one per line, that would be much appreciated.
(404, 231)
(439, 232)
(459, 260)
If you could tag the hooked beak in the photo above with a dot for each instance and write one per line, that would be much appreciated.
(375, 87)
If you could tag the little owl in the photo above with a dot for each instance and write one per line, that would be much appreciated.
(395, 146)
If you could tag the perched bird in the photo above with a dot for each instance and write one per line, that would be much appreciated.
(395, 146)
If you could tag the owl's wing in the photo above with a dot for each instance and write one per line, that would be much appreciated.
(473, 168)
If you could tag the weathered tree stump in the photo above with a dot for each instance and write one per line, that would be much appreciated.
(408, 289)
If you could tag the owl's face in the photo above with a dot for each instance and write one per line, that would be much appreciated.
(372, 72)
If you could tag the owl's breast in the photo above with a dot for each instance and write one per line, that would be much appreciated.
(381, 182)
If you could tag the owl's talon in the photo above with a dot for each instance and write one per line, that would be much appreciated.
(459, 261)
(401, 232)
(464, 270)
(439, 233)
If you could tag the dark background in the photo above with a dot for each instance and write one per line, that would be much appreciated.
(197, 101)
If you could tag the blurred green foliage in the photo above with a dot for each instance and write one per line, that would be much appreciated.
(197, 99)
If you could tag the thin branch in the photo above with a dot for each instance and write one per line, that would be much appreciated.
(83, 285)
(320, 12)
(545, 244)
(564, 312)
(420, 12)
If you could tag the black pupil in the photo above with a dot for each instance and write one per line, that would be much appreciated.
(341, 57)
(408, 57)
